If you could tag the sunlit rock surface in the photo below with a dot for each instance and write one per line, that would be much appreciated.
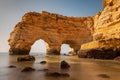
(84, 34)
(54, 29)
(106, 34)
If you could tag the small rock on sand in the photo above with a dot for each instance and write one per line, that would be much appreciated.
(57, 74)
(64, 65)
(11, 66)
(43, 62)
(28, 69)
(104, 76)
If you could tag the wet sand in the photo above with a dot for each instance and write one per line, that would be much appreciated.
(80, 69)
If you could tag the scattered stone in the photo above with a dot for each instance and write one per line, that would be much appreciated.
(104, 76)
(43, 62)
(57, 74)
(28, 69)
(26, 58)
(43, 70)
(11, 66)
(64, 65)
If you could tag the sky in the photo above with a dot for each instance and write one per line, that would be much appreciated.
(11, 12)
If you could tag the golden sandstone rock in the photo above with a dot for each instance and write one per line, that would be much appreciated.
(106, 34)
(54, 29)
(100, 32)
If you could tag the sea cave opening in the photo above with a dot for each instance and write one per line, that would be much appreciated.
(39, 47)
(65, 49)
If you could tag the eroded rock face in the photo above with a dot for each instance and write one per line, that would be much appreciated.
(106, 35)
(106, 22)
(89, 34)
(54, 29)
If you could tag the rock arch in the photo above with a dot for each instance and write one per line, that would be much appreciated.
(54, 29)
(65, 49)
(39, 47)
(100, 33)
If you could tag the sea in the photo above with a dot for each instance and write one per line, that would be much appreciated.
(80, 68)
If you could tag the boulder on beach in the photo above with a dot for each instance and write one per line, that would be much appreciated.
(28, 69)
(26, 58)
(43, 62)
(11, 66)
(64, 65)
(103, 76)
(57, 74)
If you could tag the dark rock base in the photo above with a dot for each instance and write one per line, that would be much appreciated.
(18, 52)
(53, 52)
(25, 58)
(99, 53)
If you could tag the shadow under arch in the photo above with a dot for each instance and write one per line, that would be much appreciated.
(39, 47)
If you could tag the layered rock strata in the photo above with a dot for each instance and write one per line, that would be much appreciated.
(106, 36)
(54, 29)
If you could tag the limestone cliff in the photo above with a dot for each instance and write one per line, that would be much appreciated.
(96, 37)
(106, 23)
(54, 29)
(106, 34)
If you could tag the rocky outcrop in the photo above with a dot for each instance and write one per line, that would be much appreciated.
(54, 29)
(106, 36)
(106, 23)
(100, 33)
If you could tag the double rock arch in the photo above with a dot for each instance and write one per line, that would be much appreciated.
(54, 29)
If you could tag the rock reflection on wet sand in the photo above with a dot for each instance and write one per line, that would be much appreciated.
(80, 69)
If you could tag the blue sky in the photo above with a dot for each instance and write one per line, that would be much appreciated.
(11, 12)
